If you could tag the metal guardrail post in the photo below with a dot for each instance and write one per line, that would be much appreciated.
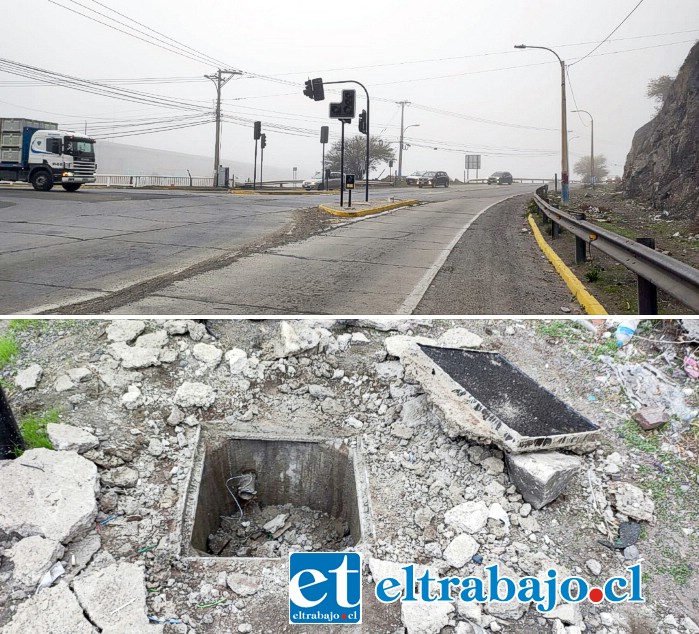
(555, 229)
(647, 291)
(580, 244)
(10, 437)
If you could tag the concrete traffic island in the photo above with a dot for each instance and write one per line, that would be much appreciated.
(366, 209)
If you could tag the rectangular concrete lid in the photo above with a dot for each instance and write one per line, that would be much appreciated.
(515, 410)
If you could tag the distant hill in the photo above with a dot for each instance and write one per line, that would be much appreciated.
(663, 164)
(118, 158)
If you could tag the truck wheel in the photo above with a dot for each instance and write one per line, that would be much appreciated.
(42, 180)
(71, 187)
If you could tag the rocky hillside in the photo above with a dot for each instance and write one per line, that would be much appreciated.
(663, 163)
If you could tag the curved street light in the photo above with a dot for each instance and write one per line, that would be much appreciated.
(565, 192)
(592, 146)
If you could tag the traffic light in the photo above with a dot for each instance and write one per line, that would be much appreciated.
(390, 163)
(318, 90)
(362, 121)
(314, 89)
(258, 129)
(324, 131)
(308, 90)
(349, 181)
(263, 141)
(345, 108)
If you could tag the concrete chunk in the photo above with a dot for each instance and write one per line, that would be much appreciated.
(469, 517)
(70, 438)
(29, 378)
(54, 610)
(208, 354)
(32, 557)
(192, 394)
(459, 552)
(125, 330)
(541, 477)
(632, 501)
(48, 493)
(426, 618)
(133, 358)
(114, 598)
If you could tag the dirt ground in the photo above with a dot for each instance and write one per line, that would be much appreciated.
(610, 282)
(349, 390)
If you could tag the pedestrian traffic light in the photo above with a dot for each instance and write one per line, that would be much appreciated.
(263, 141)
(318, 90)
(349, 181)
(308, 90)
(345, 108)
(362, 122)
(324, 132)
(258, 129)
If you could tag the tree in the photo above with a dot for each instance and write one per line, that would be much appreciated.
(355, 155)
(582, 167)
(659, 88)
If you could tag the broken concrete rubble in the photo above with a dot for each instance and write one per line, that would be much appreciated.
(70, 438)
(125, 330)
(632, 501)
(61, 486)
(133, 358)
(29, 378)
(541, 477)
(32, 558)
(114, 598)
(194, 394)
(55, 611)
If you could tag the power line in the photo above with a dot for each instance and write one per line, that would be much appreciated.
(640, 2)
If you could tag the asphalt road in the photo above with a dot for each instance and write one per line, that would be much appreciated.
(162, 252)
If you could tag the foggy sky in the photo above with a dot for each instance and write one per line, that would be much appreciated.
(381, 44)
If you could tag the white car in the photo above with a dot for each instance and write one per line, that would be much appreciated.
(317, 181)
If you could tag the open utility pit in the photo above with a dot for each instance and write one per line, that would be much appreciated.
(482, 394)
(265, 498)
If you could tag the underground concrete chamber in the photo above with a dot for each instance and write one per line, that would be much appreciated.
(300, 476)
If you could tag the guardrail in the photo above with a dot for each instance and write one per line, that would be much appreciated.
(654, 270)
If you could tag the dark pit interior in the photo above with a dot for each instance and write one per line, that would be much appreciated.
(508, 394)
(288, 496)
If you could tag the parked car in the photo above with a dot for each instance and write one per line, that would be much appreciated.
(500, 178)
(432, 179)
(413, 178)
(317, 181)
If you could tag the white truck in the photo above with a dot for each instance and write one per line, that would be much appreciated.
(37, 152)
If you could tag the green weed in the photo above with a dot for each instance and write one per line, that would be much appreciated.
(33, 428)
(8, 349)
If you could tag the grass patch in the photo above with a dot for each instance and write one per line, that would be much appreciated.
(8, 349)
(33, 428)
(25, 325)
(681, 572)
(558, 329)
(636, 438)
(592, 274)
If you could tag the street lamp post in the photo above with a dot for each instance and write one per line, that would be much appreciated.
(592, 146)
(400, 149)
(565, 192)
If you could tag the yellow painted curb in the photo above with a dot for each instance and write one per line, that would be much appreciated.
(367, 212)
(587, 301)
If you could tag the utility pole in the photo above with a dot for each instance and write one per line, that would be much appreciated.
(402, 105)
(219, 81)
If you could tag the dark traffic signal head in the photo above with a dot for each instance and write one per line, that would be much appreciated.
(318, 90)
(362, 121)
(314, 89)
(345, 108)
(308, 90)
(263, 141)
(258, 129)
(324, 131)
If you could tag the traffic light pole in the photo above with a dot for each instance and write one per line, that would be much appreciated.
(262, 160)
(254, 171)
(342, 164)
(368, 136)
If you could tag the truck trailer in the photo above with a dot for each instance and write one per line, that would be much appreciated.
(37, 152)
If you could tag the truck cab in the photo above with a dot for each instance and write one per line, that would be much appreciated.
(44, 156)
